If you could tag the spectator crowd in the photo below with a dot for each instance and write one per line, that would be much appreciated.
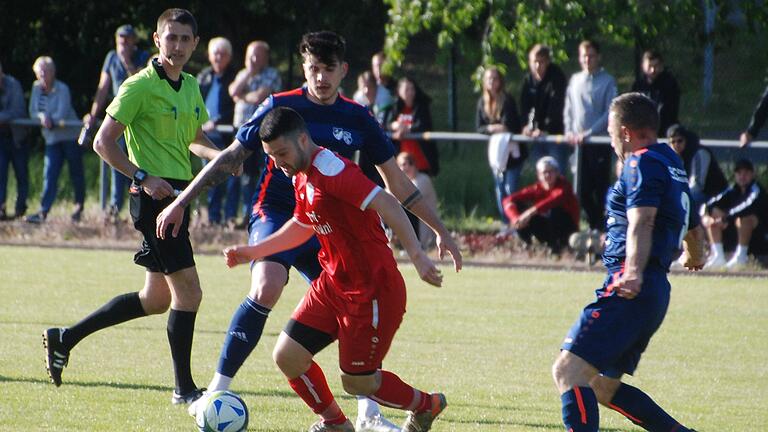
(550, 104)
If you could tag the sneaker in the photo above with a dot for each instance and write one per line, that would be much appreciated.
(187, 398)
(422, 422)
(737, 262)
(376, 423)
(77, 214)
(320, 426)
(36, 218)
(198, 403)
(716, 262)
(56, 356)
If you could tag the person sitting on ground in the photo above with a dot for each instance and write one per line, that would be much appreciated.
(705, 178)
(740, 205)
(547, 209)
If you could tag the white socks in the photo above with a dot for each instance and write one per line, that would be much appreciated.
(219, 382)
(367, 408)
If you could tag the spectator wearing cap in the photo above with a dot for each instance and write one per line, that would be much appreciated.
(743, 205)
(547, 210)
(13, 152)
(50, 103)
(658, 83)
(705, 178)
(120, 63)
(214, 86)
(757, 122)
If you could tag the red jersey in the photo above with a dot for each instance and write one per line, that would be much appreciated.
(333, 198)
(561, 195)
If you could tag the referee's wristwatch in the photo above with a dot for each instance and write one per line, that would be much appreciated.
(139, 176)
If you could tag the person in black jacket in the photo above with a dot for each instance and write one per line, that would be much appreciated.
(214, 83)
(757, 121)
(497, 113)
(411, 114)
(744, 206)
(542, 100)
(705, 178)
(660, 86)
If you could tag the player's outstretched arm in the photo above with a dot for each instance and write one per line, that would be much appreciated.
(291, 235)
(410, 197)
(394, 216)
(694, 248)
(228, 161)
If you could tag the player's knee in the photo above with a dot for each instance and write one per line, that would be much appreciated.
(155, 304)
(359, 385)
(604, 388)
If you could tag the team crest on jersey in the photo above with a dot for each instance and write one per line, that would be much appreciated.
(342, 135)
(310, 192)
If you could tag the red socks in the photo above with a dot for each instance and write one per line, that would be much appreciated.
(394, 393)
(313, 390)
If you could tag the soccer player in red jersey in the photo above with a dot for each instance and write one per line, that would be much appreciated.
(359, 298)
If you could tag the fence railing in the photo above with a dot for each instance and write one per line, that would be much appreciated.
(428, 136)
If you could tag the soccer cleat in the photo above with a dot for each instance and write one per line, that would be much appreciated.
(717, 262)
(56, 356)
(36, 218)
(198, 403)
(737, 262)
(320, 426)
(422, 422)
(187, 398)
(376, 423)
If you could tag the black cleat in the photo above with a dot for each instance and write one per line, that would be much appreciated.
(56, 356)
(187, 398)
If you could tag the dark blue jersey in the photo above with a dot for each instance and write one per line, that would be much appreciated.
(343, 127)
(652, 177)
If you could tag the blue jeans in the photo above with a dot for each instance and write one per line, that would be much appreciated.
(55, 154)
(228, 191)
(18, 157)
(506, 183)
(119, 182)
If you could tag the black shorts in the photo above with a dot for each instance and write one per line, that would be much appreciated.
(168, 255)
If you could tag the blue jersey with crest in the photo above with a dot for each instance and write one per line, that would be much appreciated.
(343, 127)
(653, 176)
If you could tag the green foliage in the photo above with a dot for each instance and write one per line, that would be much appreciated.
(487, 339)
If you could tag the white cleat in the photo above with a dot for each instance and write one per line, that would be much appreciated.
(199, 403)
(376, 423)
(736, 263)
(717, 262)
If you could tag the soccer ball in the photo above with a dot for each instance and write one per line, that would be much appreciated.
(223, 411)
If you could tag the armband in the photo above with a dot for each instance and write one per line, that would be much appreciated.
(412, 199)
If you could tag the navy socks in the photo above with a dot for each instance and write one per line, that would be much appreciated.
(580, 411)
(242, 336)
(641, 410)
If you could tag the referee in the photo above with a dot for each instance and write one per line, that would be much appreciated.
(161, 111)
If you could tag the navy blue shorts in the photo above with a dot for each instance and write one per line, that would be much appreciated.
(612, 332)
(303, 258)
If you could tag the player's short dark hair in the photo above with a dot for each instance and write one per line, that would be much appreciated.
(541, 50)
(327, 46)
(181, 16)
(636, 111)
(279, 122)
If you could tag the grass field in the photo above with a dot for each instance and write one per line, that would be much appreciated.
(486, 339)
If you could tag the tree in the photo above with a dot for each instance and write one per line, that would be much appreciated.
(516, 25)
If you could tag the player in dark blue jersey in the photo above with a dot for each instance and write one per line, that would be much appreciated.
(336, 123)
(649, 220)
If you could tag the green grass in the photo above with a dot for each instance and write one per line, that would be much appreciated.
(487, 339)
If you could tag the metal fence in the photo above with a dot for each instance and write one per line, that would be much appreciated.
(428, 136)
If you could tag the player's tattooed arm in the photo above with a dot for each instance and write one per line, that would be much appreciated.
(229, 161)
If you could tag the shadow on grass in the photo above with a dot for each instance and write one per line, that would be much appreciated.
(129, 386)
(558, 426)
(45, 325)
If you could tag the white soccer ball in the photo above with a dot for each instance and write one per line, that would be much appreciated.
(223, 411)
